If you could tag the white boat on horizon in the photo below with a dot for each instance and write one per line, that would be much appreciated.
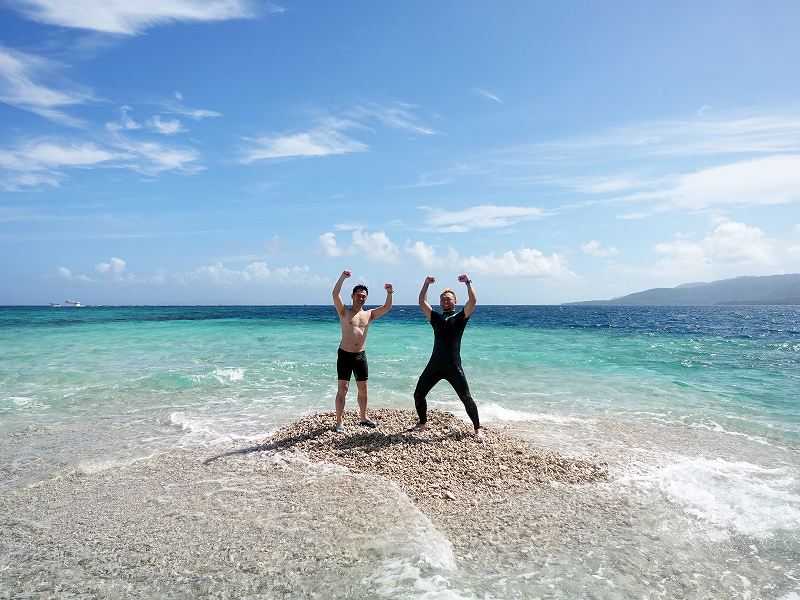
(67, 304)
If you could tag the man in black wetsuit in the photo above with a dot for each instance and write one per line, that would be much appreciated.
(445, 361)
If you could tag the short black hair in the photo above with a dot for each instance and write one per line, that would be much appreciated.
(361, 286)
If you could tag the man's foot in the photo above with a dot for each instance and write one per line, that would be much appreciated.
(369, 423)
(479, 435)
(418, 427)
(339, 429)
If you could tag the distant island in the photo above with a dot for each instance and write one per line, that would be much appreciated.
(770, 289)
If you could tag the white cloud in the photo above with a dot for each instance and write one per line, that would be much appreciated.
(737, 243)
(255, 272)
(37, 162)
(326, 140)
(486, 94)
(21, 86)
(45, 154)
(479, 217)
(151, 158)
(682, 258)
(597, 249)
(526, 262)
(652, 152)
(327, 242)
(761, 181)
(375, 247)
(219, 273)
(115, 265)
(424, 254)
(130, 18)
(794, 251)
(728, 243)
(166, 127)
(65, 273)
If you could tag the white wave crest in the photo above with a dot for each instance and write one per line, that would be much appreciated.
(741, 496)
(228, 375)
(495, 412)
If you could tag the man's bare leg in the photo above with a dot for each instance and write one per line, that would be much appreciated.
(362, 399)
(341, 394)
(362, 404)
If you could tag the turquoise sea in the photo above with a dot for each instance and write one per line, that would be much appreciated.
(696, 410)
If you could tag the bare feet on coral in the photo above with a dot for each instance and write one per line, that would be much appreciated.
(418, 427)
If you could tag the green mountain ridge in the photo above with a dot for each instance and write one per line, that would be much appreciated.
(768, 289)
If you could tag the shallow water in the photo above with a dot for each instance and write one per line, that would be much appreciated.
(695, 409)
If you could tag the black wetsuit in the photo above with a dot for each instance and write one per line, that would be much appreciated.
(445, 363)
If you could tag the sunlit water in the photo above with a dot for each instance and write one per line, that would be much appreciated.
(696, 409)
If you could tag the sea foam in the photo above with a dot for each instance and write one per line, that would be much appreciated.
(737, 496)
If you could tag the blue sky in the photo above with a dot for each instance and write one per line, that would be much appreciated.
(241, 152)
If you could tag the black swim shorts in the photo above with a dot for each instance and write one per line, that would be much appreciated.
(352, 363)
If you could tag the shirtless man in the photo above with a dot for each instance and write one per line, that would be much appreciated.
(352, 357)
(445, 361)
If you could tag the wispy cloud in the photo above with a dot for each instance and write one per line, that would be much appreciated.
(125, 122)
(699, 136)
(35, 163)
(478, 217)
(42, 155)
(178, 108)
(326, 140)
(22, 84)
(397, 115)
(486, 94)
(151, 158)
(130, 18)
(166, 127)
(760, 181)
(423, 182)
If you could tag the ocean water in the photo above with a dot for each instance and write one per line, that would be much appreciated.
(695, 409)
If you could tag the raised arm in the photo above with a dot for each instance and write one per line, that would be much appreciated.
(423, 297)
(337, 289)
(377, 313)
(470, 304)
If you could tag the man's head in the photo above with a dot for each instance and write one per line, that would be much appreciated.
(360, 293)
(447, 300)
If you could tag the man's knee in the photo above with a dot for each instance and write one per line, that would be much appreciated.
(343, 386)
